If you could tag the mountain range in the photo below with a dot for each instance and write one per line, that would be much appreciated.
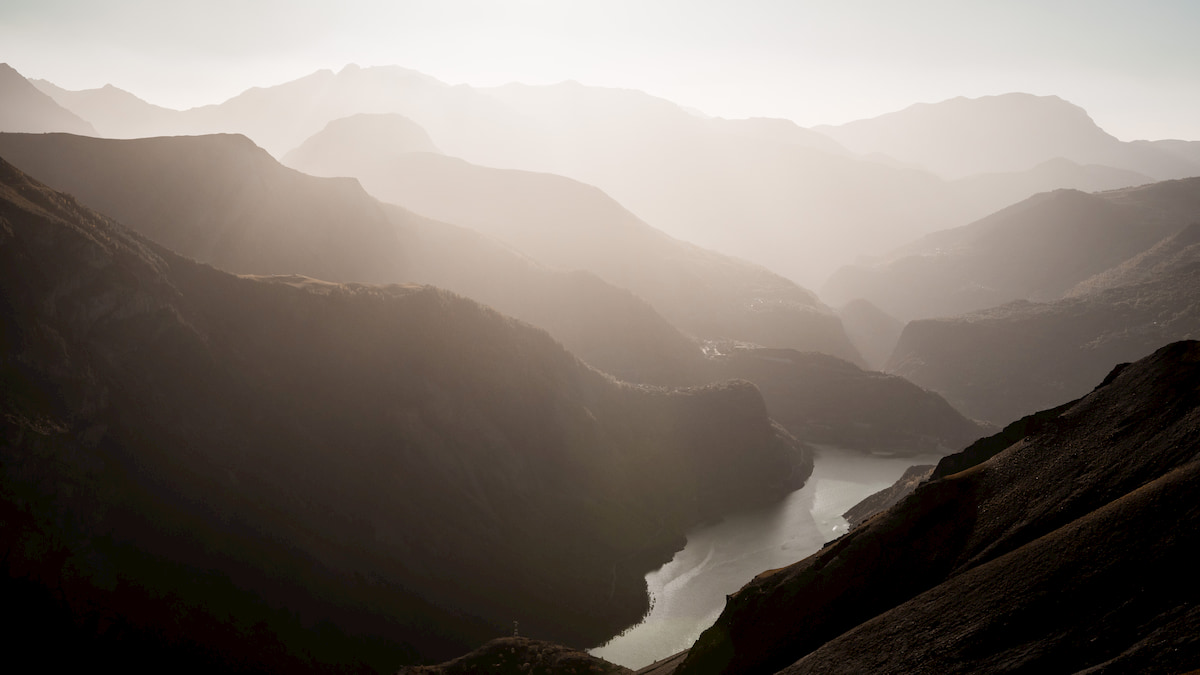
(363, 370)
(1008, 361)
(223, 201)
(1036, 249)
(567, 224)
(728, 185)
(348, 475)
(1012, 132)
(1042, 549)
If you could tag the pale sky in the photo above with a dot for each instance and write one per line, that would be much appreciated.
(1134, 66)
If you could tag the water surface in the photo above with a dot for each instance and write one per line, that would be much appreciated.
(688, 593)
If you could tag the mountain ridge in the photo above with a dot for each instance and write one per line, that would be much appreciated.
(229, 447)
(984, 565)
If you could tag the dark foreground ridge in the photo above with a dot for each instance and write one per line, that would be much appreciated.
(1071, 549)
(522, 656)
(285, 474)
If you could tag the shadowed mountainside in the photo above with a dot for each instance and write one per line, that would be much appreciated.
(1037, 250)
(563, 223)
(524, 656)
(223, 201)
(1065, 548)
(288, 474)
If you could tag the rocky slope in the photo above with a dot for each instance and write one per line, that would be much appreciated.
(524, 656)
(1065, 546)
(282, 474)
(224, 201)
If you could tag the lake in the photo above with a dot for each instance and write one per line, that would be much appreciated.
(688, 593)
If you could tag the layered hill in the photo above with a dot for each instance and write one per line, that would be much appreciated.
(727, 185)
(567, 224)
(113, 112)
(1045, 548)
(26, 109)
(1038, 249)
(282, 474)
(825, 400)
(224, 201)
(1012, 132)
(1008, 361)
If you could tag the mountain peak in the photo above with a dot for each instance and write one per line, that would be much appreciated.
(962, 136)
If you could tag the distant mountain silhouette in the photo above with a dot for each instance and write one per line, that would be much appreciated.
(223, 201)
(1063, 544)
(764, 190)
(286, 474)
(1011, 132)
(115, 113)
(822, 399)
(522, 655)
(566, 224)
(1037, 249)
(26, 109)
(362, 140)
(1008, 361)
(994, 191)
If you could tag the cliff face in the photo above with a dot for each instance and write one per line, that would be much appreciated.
(279, 473)
(1064, 547)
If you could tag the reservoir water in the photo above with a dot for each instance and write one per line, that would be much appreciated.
(688, 593)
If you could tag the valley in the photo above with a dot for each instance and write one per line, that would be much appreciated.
(361, 370)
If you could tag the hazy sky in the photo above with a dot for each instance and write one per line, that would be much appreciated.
(1135, 66)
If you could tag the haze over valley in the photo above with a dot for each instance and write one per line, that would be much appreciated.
(552, 337)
